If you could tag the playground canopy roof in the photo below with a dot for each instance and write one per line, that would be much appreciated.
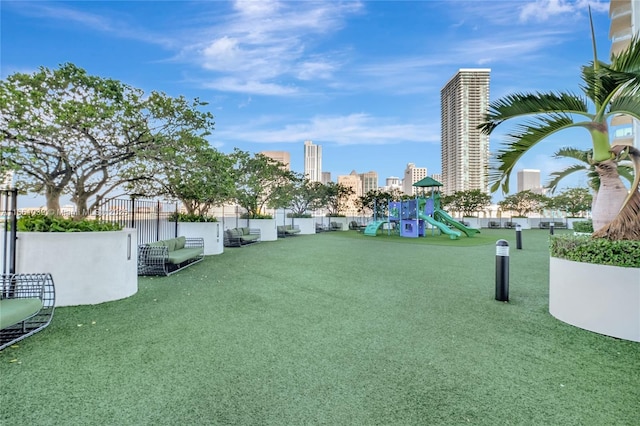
(427, 182)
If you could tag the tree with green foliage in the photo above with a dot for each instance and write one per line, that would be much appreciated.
(200, 178)
(336, 197)
(376, 201)
(523, 203)
(574, 201)
(302, 195)
(469, 203)
(260, 182)
(67, 132)
(608, 89)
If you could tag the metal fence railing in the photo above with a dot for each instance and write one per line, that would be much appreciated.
(149, 218)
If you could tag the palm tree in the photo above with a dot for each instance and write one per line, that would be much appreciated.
(584, 165)
(608, 90)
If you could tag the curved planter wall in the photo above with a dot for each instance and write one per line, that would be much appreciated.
(87, 267)
(307, 225)
(268, 230)
(600, 298)
(210, 231)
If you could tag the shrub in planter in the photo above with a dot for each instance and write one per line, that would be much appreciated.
(186, 217)
(256, 216)
(40, 222)
(596, 250)
(585, 226)
(299, 215)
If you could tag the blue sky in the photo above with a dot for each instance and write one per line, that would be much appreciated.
(362, 79)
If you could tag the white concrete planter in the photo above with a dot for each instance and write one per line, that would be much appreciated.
(473, 222)
(210, 231)
(522, 221)
(600, 298)
(87, 267)
(343, 220)
(307, 225)
(268, 229)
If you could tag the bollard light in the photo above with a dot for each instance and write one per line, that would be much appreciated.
(518, 237)
(502, 270)
(551, 226)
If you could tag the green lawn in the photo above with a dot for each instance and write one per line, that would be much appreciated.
(335, 329)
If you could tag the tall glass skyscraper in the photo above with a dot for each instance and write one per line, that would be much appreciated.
(464, 101)
(312, 161)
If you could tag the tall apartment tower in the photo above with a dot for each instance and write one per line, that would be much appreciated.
(625, 23)
(282, 156)
(412, 174)
(312, 161)
(464, 101)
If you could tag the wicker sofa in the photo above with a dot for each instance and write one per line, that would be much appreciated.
(166, 257)
(239, 237)
(27, 302)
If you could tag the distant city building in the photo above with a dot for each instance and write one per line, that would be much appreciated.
(528, 180)
(282, 156)
(313, 161)
(326, 177)
(369, 181)
(437, 176)
(412, 174)
(625, 23)
(354, 182)
(6, 180)
(393, 181)
(465, 149)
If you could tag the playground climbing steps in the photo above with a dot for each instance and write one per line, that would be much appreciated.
(372, 227)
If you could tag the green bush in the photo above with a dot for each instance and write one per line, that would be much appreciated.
(299, 215)
(596, 250)
(40, 222)
(583, 226)
(184, 217)
(256, 216)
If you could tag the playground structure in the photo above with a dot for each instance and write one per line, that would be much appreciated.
(415, 217)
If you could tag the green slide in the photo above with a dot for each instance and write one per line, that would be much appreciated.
(441, 226)
(443, 216)
(372, 227)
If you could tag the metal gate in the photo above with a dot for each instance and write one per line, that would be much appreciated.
(8, 220)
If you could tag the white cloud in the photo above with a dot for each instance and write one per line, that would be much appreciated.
(542, 10)
(352, 129)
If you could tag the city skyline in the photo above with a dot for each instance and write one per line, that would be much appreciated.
(359, 78)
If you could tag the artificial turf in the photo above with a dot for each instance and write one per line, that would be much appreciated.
(336, 329)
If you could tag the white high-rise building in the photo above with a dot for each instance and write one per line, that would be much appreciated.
(465, 149)
(412, 174)
(625, 23)
(312, 161)
(529, 180)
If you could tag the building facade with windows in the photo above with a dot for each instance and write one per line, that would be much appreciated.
(412, 174)
(312, 161)
(281, 156)
(625, 23)
(465, 149)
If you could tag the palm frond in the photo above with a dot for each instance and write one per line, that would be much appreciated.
(525, 104)
(517, 144)
(628, 60)
(574, 153)
(556, 177)
(629, 105)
